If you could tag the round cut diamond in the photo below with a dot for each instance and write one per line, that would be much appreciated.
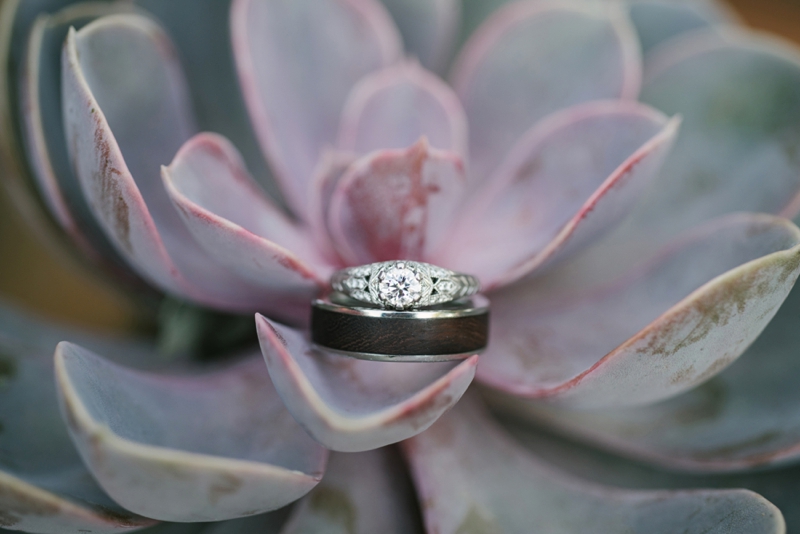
(399, 286)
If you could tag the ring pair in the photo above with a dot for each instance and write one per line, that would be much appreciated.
(401, 311)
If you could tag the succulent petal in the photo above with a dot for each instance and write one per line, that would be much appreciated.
(238, 226)
(394, 107)
(297, 62)
(533, 58)
(659, 330)
(745, 417)
(740, 95)
(44, 486)
(186, 448)
(354, 405)
(429, 28)
(657, 21)
(474, 477)
(44, 128)
(362, 493)
(396, 204)
(148, 110)
(740, 98)
(201, 34)
(331, 168)
(570, 179)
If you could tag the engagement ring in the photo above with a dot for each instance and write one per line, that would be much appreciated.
(403, 285)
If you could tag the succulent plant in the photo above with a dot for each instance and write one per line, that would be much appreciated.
(620, 175)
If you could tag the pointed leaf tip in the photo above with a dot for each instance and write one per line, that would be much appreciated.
(186, 448)
(354, 405)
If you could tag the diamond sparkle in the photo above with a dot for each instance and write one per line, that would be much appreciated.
(399, 286)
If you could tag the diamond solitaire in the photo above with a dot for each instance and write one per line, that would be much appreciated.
(399, 286)
(403, 284)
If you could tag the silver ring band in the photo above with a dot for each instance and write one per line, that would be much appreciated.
(403, 284)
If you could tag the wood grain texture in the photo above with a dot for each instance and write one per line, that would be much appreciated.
(400, 337)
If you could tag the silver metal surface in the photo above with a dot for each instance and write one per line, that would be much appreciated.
(403, 284)
(341, 303)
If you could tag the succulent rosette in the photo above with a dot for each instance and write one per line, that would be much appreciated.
(621, 177)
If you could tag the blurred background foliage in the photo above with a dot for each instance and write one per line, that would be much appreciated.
(44, 280)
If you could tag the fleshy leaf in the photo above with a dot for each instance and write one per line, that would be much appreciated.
(429, 28)
(332, 167)
(44, 129)
(659, 331)
(747, 416)
(44, 486)
(658, 21)
(569, 180)
(396, 106)
(148, 110)
(396, 204)
(202, 38)
(740, 96)
(362, 493)
(473, 477)
(533, 58)
(295, 99)
(186, 448)
(238, 226)
(354, 405)
(779, 486)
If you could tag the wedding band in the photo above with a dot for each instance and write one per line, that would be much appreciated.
(453, 331)
(403, 285)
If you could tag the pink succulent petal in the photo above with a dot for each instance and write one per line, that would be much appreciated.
(532, 58)
(570, 179)
(740, 96)
(659, 331)
(332, 167)
(362, 493)
(204, 46)
(209, 172)
(745, 417)
(473, 477)
(396, 106)
(237, 225)
(354, 405)
(429, 28)
(295, 99)
(44, 485)
(186, 448)
(396, 204)
(151, 119)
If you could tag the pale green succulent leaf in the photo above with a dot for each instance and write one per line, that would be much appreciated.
(661, 329)
(473, 477)
(186, 448)
(44, 486)
(744, 418)
(429, 28)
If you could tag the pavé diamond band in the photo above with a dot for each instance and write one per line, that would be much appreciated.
(403, 284)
